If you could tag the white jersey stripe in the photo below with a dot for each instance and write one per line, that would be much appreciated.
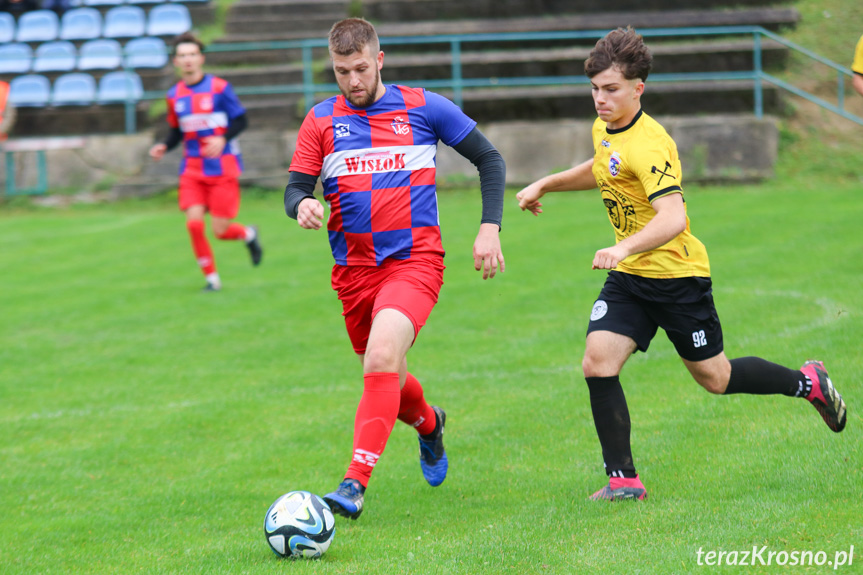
(378, 160)
(198, 122)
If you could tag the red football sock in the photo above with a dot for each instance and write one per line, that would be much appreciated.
(201, 246)
(376, 416)
(413, 408)
(234, 232)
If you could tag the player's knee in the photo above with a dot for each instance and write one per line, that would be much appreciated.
(592, 366)
(380, 360)
(713, 383)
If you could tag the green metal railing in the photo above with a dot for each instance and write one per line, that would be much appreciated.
(458, 84)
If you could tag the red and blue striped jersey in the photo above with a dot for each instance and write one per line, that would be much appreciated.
(377, 167)
(201, 110)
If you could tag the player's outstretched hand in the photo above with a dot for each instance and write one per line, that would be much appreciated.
(528, 199)
(157, 151)
(310, 214)
(608, 258)
(213, 146)
(487, 255)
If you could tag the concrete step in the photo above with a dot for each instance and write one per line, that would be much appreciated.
(671, 98)
(296, 11)
(265, 23)
(76, 120)
(275, 74)
(544, 102)
(709, 56)
(418, 10)
(770, 18)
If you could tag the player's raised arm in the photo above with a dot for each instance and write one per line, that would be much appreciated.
(577, 178)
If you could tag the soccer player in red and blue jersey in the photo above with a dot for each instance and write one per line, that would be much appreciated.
(206, 115)
(374, 149)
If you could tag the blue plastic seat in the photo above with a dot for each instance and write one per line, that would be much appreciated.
(38, 26)
(100, 54)
(81, 24)
(125, 22)
(145, 1)
(146, 52)
(15, 58)
(33, 90)
(101, 2)
(57, 56)
(118, 87)
(74, 89)
(168, 20)
(7, 27)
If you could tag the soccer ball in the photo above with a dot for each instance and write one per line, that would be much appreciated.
(299, 525)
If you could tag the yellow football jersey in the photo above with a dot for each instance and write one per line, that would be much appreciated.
(634, 166)
(857, 65)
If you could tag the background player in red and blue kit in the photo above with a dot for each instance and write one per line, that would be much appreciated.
(205, 114)
(374, 149)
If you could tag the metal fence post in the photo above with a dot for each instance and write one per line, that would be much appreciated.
(759, 92)
(308, 77)
(455, 47)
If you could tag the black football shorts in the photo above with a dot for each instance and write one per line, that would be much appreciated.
(635, 306)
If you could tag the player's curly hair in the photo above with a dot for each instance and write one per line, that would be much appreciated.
(186, 38)
(624, 48)
(352, 35)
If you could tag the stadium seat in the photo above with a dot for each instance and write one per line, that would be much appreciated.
(101, 2)
(57, 56)
(145, 1)
(100, 54)
(81, 24)
(146, 52)
(74, 89)
(124, 22)
(38, 26)
(32, 90)
(15, 58)
(168, 20)
(7, 27)
(117, 87)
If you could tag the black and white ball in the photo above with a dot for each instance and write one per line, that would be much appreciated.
(299, 525)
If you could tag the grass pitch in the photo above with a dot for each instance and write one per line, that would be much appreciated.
(145, 427)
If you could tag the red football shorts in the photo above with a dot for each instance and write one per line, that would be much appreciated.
(409, 286)
(220, 194)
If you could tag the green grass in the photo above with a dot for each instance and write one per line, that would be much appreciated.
(145, 427)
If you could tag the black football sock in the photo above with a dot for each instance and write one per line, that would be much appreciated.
(758, 376)
(611, 418)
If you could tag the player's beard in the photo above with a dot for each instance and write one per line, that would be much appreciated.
(368, 97)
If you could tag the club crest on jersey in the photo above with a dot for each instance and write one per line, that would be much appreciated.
(401, 127)
(614, 164)
(180, 106)
(206, 103)
(343, 130)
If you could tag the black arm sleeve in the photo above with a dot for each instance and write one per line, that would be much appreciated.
(492, 173)
(300, 186)
(235, 126)
(175, 136)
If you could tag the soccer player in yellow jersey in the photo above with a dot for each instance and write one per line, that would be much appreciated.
(659, 272)
(857, 67)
